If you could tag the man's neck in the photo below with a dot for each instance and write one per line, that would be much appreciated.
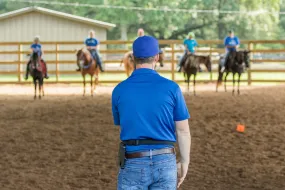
(144, 66)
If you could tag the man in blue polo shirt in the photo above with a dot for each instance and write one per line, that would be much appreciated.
(150, 109)
(231, 43)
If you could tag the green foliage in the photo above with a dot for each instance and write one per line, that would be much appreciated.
(175, 25)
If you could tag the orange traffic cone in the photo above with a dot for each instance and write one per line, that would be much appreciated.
(240, 128)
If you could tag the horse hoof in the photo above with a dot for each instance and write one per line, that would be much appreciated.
(40, 97)
(35, 97)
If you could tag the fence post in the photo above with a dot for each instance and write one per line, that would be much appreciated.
(249, 69)
(172, 62)
(211, 73)
(19, 62)
(56, 62)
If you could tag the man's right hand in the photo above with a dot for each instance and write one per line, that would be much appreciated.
(182, 169)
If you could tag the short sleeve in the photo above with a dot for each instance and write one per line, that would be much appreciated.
(180, 109)
(32, 46)
(237, 41)
(115, 111)
(97, 42)
(196, 44)
(185, 42)
(85, 41)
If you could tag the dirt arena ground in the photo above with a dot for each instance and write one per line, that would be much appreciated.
(67, 141)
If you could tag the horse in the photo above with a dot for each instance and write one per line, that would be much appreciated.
(129, 64)
(88, 66)
(37, 71)
(190, 65)
(234, 64)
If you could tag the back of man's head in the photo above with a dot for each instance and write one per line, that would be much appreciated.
(145, 49)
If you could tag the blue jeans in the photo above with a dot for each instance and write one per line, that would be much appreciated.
(149, 173)
(95, 56)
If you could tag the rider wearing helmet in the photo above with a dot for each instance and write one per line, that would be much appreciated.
(36, 47)
(190, 44)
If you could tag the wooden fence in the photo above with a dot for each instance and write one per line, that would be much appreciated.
(171, 50)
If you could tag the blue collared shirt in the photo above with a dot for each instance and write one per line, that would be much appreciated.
(146, 106)
(91, 42)
(36, 47)
(231, 42)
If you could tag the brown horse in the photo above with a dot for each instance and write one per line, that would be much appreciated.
(234, 64)
(88, 66)
(191, 64)
(129, 64)
(37, 71)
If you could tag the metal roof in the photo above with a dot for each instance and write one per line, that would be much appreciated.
(58, 14)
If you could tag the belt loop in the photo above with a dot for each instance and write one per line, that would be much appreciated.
(150, 154)
(137, 142)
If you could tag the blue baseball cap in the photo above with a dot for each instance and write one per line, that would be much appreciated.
(145, 46)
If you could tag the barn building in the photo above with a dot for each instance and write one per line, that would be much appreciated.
(23, 24)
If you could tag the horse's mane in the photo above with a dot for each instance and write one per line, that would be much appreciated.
(86, 53)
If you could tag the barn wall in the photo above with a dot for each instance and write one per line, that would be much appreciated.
(49, 28)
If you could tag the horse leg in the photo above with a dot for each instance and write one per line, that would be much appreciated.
(84, 83)
(239, 75)
(43, 92)
(40, 90)
(41, 87)
(226, 81)
(234, 81)
(91, 83)
(188, 82)
(35, 85)
(194, 82)
(96, 79)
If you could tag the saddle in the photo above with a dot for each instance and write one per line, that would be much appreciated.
(39, 66)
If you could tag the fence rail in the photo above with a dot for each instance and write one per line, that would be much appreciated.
(170, 50)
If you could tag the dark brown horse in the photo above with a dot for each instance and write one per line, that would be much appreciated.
(234, 64)
(191, 64)
(129, 64)
(88, 66)
(37, 72)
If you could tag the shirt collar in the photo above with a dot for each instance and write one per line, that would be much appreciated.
(144, 71)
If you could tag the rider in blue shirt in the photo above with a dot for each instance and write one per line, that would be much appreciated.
(36, 47)
(231, 43)
(190, 44)
(92, 45)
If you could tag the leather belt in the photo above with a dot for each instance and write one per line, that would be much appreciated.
(150, 153)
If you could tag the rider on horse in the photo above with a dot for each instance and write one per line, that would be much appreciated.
(231, 43)
(36, 47)
(190, 43)
(92, 44)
